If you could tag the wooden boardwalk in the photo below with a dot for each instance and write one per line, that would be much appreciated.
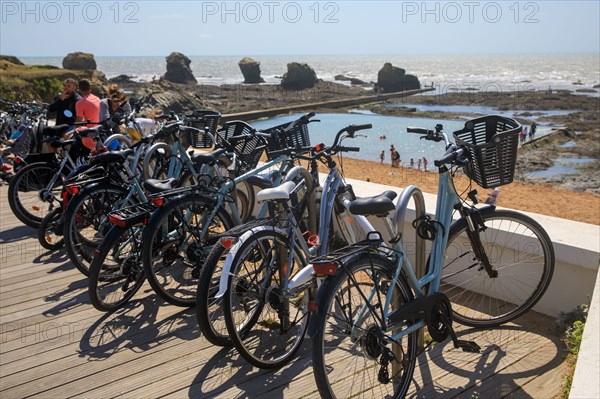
(54, 344)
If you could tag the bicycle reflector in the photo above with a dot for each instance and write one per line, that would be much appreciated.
(117, 220)
(325, 269)
(158, 201)
(320, 147)
(228, 242)
(72, 189)
(17, 160)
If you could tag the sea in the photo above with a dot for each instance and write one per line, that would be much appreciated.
(445, 73)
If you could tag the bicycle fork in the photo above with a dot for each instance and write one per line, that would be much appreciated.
(475, 225)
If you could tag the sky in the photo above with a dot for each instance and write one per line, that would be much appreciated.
(254, 28)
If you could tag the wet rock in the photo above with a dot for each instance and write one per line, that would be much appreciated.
(178, 69)
(79, 61)
(251, 70)
(393, 79)
(298, 77)
(121, 79)
(354, 81)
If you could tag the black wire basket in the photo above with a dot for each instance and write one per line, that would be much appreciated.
(298, 136)
(492, 142)
(205, 120)
(236, 136)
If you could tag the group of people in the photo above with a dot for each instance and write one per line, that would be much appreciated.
(83, 105)
(528, 133)
(396, 161)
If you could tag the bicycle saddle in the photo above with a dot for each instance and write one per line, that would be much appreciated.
(94, 131)
(111, 157)
(55, 131)
(281, 192)
(264, 180)
(209, 158)
(155, 186)
(379, 205)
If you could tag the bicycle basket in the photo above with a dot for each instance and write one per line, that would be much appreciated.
(201, 119)
(236, 136)
(296, 137)
(492, 142)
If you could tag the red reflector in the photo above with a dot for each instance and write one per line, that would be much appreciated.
(116, 220)
(319, 147)
(312, 306)
(17, 160)
(36, 208)
(325, 269)
(96, 253)
(73, 190)
(158, 201)
(227, 242)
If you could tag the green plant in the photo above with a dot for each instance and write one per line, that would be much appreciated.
(574, 323)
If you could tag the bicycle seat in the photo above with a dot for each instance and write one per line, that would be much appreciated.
(380, 205)
(264, 180)
(94, 131)
(155, 186)
(55, 131)
(281, 192)
(209, 158)
(111, 157)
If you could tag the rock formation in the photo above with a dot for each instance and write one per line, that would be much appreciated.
(393, 79)
(12, 59)
(251, 70)
(298, 77)
(79, 61)
(178, 69)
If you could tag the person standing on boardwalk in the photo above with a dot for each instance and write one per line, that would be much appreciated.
(88, 107)
(65, 101)
(382, 156)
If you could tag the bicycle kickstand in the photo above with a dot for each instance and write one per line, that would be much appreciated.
(466, 346)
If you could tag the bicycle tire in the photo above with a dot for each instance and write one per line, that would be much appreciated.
(47, 236)
(86, 221)
(172, 272)
(209, 310)
(524, 261)
(256, 310)
(116, 273)
(341, 356)
(24, 189)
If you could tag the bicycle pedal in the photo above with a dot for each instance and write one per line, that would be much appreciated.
(468, 346)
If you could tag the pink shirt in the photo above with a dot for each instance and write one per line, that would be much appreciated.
(88, 108)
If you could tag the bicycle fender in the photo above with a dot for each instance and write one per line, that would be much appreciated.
(226, 271)
(148, 156)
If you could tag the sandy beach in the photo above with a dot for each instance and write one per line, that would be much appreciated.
(546, 200)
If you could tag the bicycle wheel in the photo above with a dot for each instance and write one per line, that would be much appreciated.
(352, 355)
(86, 221)
(266, 323)
(175, 248)
(209, 310)
(47, 236)
(519, 250)
(29, 196)
(116, 273)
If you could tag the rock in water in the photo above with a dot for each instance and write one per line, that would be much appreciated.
(394, 79)
(298, 77)
(178, 69)
(79, 61)
(251, 70)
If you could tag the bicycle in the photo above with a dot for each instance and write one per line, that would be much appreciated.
(264, 281)
(372, 305)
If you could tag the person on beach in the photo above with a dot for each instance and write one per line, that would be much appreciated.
(493, 197)
(524, 132)
(419, 164)
(382, 156)
(88, 107)
(412, 163)
(532, 130)
(425, 162)
(115, 102)
(65, 100)
(392, 150)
